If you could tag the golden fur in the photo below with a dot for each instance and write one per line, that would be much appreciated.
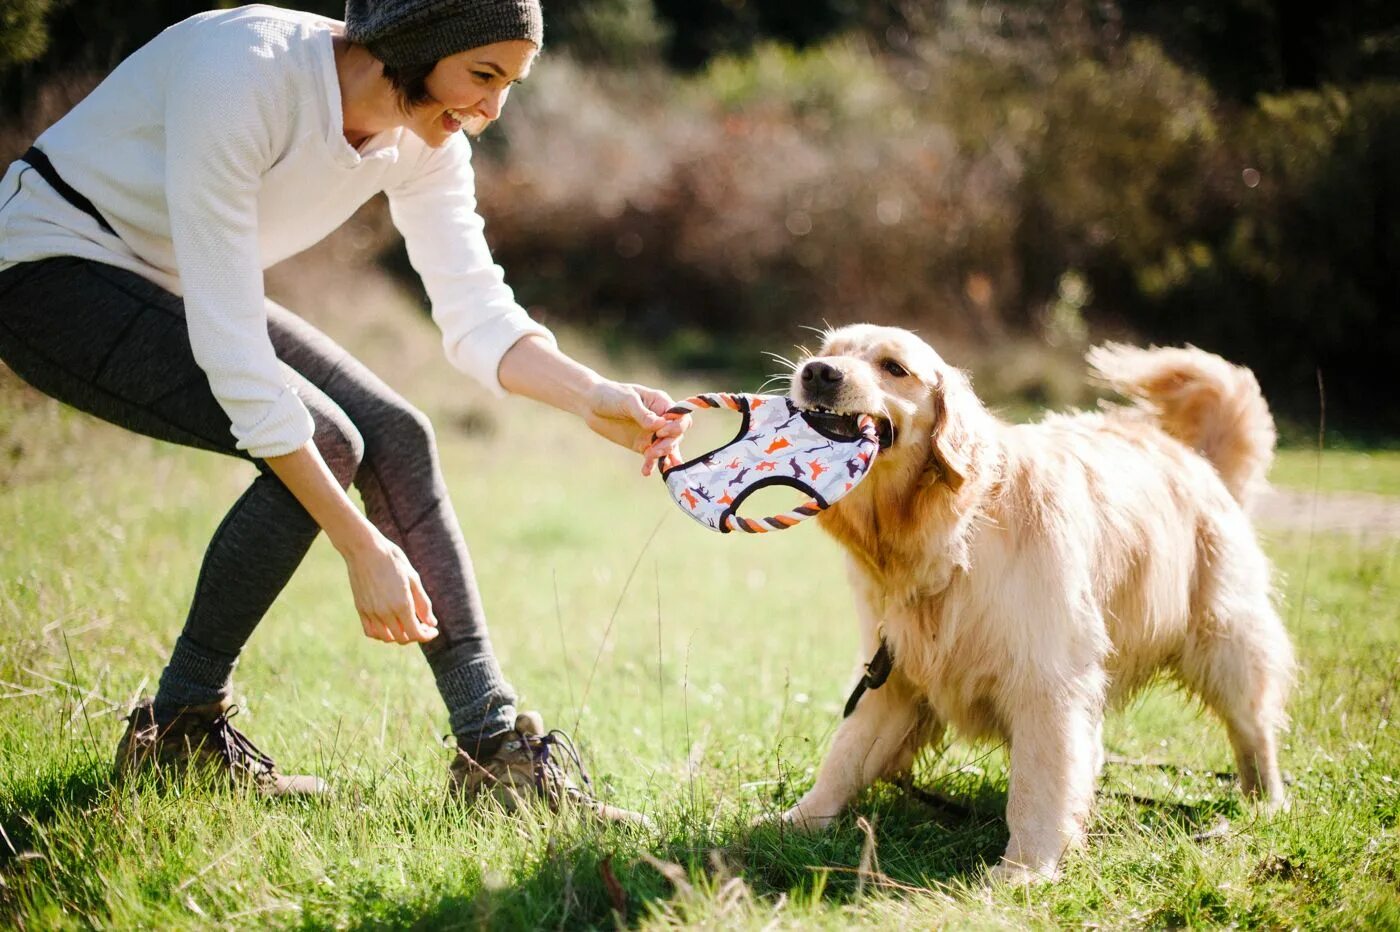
(1027, 576)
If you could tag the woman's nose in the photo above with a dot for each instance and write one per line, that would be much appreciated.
(490, 106)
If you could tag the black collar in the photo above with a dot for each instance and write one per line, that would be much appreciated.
(876, 672)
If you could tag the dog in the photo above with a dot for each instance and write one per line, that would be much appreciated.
(1026, 577)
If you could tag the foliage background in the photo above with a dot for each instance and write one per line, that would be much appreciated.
(695, 181)
(1015, 179)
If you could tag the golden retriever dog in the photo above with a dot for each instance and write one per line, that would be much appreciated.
(1025, 577)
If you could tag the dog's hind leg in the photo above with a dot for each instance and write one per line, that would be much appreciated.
(1242, 668)
(1237, 657)
(874, 742)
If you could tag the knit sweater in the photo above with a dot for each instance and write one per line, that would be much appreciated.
(217, 150)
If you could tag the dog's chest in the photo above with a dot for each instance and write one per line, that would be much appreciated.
(948, 657)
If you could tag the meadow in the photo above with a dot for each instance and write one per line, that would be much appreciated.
(701, 675)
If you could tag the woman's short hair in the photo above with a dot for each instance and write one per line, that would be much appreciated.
(410, 83)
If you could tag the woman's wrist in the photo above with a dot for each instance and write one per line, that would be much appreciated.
(534, 368)
(355, 536)
(306, 475)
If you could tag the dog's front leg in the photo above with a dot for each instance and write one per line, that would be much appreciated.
(1053, 762)
(875, 738)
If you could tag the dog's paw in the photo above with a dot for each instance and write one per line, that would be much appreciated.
(802, 819)
(769, 818)
(1008, 873)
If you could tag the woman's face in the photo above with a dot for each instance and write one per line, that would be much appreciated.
(467, 90)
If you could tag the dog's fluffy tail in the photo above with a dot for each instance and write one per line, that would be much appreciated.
(1208, 404)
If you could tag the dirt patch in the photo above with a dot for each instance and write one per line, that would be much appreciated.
(1349, 512)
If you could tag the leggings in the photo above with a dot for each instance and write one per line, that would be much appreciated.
(115, 345)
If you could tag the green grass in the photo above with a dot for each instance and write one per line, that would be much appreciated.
(703, 676)
(1373, 471)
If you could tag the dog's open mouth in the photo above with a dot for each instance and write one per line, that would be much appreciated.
(840, 426)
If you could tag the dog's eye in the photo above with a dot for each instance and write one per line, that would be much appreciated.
(894, 368)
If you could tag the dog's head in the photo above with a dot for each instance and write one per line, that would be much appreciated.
(923, 406)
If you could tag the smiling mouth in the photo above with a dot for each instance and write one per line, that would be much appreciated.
(453, 120)
(846, 426)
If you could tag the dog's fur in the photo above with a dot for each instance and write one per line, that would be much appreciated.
(1025, 577)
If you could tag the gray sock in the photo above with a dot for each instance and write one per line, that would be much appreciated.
(195, 676)
(479, 700)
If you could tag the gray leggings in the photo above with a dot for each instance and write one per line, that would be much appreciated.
(111, 343)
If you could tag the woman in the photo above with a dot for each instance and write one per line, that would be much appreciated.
(132, 242)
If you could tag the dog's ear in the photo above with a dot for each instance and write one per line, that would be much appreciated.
(955, 439)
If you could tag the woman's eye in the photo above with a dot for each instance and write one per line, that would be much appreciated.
(894, 368)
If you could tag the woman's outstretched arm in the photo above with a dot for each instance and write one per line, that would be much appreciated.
(627, 414)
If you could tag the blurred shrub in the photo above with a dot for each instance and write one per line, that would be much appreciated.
(1299, 271)
(1245, 47)
(24, 33)
(782, 189)
(994, 175)
(1008, 175)
(705, 30)
(614, 32)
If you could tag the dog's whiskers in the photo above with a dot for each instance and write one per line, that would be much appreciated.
(778, 357)
(773, 378)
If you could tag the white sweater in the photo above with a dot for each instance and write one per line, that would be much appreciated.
(216, 151)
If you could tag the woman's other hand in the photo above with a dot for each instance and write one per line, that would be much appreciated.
(632, 416)
(388, 593)
(389, 596)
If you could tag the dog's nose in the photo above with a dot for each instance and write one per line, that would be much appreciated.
(818, 375)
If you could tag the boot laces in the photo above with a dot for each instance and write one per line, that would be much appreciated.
(546, 768)
(235, 746)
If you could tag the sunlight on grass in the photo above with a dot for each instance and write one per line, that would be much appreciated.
(703, 676)
(1375, 471)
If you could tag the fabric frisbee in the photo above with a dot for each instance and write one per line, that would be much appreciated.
(821, 455)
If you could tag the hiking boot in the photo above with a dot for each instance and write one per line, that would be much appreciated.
(529, 762)
(200, 737)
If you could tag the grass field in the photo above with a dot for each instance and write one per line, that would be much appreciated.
(702, 676)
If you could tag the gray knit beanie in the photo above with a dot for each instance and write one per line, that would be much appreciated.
(404, 33)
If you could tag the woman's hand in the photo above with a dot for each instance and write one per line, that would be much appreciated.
(388, 593)
(628, 415)
(631, 416)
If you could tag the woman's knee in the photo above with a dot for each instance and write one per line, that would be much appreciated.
(405, 431)
(342, 447)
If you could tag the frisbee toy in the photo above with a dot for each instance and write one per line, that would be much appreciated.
(778, 444)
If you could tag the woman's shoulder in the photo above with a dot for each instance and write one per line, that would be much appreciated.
(254, 37)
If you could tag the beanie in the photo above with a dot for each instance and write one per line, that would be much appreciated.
(403, 33)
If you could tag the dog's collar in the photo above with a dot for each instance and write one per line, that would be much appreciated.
(876, 672)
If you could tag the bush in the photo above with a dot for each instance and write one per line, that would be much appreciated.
(994, 176)
(765, 193)
(1300, 272)
(1002, 178)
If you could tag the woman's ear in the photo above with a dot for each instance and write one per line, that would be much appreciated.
(955, 440)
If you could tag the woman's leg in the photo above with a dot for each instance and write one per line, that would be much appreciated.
(400, 481)
(112, 344)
